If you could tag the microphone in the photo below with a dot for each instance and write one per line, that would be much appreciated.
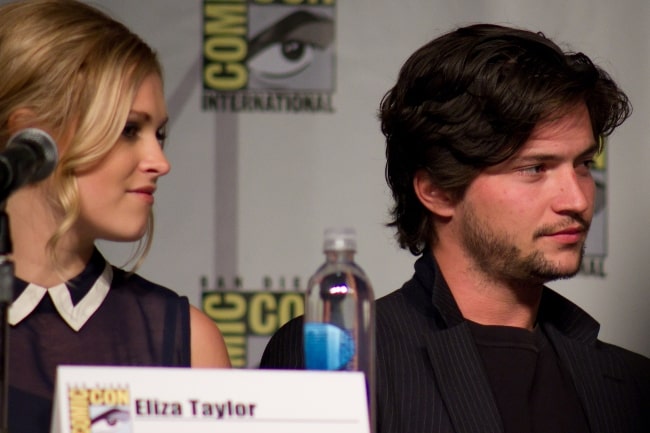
(29, 156)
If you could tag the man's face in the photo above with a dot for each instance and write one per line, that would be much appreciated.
(526, 219)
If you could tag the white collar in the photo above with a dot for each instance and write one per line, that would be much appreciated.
(74, 315)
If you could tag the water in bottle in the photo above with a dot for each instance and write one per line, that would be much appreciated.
(339, 312)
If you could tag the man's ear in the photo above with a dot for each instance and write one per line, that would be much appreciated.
(438, 201)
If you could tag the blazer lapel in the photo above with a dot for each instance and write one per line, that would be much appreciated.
(599, 381)
(456, 363)
(463, 385)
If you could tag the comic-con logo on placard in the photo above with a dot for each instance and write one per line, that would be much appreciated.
(268, 55)
(99, 409)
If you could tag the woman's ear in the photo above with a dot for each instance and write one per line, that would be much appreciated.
(438, 201)
(20, 119)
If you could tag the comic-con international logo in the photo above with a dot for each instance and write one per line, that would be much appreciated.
(593, 262)
(99, 410)
(268, 55)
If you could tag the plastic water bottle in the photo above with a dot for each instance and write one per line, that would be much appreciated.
(339, 324)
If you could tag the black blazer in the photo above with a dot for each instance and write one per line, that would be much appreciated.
(430, 377)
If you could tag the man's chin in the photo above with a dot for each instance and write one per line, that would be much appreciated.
(561, 269)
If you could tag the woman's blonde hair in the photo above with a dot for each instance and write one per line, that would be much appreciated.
(77, 70)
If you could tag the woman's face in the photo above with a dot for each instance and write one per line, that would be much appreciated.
(117, 194)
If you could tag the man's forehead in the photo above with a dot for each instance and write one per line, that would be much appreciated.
(576, 116)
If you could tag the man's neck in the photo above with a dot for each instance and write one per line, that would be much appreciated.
(486, 300)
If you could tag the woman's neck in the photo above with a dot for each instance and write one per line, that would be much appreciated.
(32, 223)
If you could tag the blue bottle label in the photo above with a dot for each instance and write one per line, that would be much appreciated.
(327, 347)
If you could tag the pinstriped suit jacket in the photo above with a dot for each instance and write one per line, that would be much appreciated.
(430, 377)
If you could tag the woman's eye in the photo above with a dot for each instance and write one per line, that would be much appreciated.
(131, 130)
(161, 135)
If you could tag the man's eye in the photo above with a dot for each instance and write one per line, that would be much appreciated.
(535, 169)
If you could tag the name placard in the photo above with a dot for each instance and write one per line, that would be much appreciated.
(161, 400)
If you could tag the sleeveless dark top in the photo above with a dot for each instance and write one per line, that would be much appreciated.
(139, 323)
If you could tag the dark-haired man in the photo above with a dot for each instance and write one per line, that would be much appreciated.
(490, 135)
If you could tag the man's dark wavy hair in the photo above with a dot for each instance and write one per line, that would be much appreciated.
(469, 100)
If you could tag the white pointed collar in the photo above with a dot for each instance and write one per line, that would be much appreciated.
(74, 315)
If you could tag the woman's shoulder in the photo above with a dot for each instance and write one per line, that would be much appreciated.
(139, 286)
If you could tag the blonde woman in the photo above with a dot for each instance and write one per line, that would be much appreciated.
(96, 88)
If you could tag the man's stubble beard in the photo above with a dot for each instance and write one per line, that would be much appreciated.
(500, 259)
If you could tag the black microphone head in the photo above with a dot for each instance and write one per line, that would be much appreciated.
(42, 145)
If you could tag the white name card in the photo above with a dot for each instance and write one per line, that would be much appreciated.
(161, 400)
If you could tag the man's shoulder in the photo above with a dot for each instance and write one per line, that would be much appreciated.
(411, 298)
(635, 363)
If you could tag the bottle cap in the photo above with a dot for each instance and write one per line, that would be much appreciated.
(340, 239)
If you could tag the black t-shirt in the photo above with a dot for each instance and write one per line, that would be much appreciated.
(533, 392)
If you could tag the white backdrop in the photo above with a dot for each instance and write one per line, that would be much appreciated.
(250, 194)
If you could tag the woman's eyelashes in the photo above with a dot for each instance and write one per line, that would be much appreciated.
(161, 135)
(133, 131)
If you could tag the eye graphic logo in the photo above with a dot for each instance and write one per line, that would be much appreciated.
(268, 55)
(294, 52)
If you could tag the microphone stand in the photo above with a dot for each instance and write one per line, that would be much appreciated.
(6, 295)
(29, 156)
